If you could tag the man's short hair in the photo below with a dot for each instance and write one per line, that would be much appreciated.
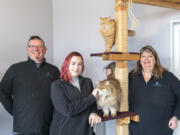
(35, 37)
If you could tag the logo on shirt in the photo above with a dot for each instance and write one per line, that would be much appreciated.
(157, 84)
(48, 74)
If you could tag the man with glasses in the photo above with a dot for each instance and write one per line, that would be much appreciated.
(25, 91)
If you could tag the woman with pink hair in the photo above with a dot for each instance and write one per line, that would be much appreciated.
(74, 100)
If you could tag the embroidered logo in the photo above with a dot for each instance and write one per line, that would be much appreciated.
(48, 74)
(157, 84)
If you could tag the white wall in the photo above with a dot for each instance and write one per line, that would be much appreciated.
(75, 27)
(154, 29)
(19, 20)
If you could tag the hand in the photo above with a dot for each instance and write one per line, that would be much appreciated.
(95, 92)
(94, 119)
(173, 123)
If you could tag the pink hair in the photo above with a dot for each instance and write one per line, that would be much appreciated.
(65, 75)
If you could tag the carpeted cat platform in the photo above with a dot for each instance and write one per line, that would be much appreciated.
(120, 115)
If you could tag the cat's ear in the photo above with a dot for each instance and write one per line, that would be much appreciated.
(100, 18)
(107, 83)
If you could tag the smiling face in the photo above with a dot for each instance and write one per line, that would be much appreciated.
(147, 60)
(36, 50)
(75, 66)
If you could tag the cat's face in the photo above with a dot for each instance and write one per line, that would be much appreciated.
(107, 26)
(104, 87)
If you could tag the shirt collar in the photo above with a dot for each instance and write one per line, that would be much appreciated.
(32, 61)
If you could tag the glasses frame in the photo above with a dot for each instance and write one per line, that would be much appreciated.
(36, 46)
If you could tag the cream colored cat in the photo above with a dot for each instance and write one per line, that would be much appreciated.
(109, 96)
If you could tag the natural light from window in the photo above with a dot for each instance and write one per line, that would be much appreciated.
(175, 48)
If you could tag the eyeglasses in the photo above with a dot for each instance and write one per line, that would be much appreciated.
(36, 46)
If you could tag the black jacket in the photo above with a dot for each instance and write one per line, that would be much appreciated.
(25, 94)
(72, 107)
(155, 102)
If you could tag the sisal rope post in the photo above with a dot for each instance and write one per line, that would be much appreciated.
(121, 70)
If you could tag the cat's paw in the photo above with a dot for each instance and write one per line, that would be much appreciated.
(106, 114)
(113, 114)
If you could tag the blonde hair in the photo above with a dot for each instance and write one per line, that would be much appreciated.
(158, 68)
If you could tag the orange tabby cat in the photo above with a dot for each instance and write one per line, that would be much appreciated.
(107, 29)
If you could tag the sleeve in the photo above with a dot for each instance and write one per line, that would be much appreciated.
(65, 106)
(6, 91)
(175, 86)
(94, 106)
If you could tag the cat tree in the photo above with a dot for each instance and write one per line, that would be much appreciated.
(121, 71)
(121, 56)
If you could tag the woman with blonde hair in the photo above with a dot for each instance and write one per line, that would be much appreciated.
(154, 93)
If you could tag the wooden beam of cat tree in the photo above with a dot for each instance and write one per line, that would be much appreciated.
(121, 57)
(121, 70)
(162, 3)
(118, 56)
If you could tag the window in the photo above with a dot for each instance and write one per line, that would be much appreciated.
(175, 48)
